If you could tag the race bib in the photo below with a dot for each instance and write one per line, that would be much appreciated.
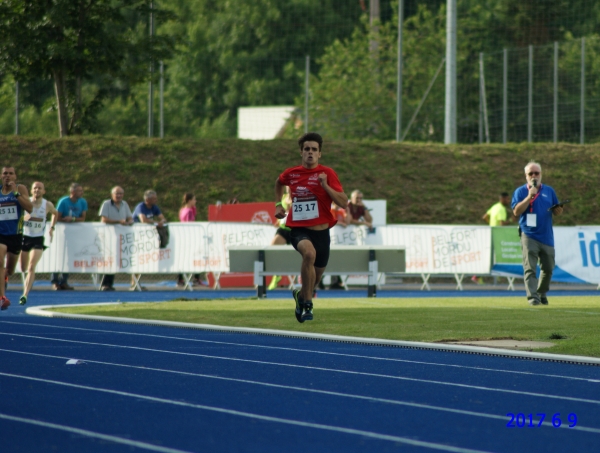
(8, 213)
(305, 210)
(33, 228)
(531, 220)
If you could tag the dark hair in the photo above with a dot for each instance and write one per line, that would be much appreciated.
(187, 197)
(504, 194)
(310, 137)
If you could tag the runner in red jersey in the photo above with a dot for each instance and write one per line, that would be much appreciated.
(313, 187)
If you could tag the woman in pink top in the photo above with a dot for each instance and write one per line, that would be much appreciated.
(187, 213)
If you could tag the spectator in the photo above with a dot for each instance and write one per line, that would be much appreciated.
(357, 213)
(148, 211)
(114, 211)
(535, 228)
(71, 208)
(498, 214)
(340, 215)
(33, 235)
(187, 213)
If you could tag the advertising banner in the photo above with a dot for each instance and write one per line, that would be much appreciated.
(439, 249)
(507, 256)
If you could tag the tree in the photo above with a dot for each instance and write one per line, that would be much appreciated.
(73, 41)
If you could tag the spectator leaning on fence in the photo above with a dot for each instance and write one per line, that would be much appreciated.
(72, 208)
(114, 212)
(148, 211)
(357, 213)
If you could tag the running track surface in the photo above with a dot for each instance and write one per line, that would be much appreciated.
(149, 388)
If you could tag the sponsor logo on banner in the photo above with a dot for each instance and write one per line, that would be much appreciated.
(589, 250)
(140, 247)
(350, 235)
(455, 248)
(91, 255)
(261, 217)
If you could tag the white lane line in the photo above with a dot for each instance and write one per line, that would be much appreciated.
(306, 389)
(87, 433)
(313, 368)
(281, 348)
(287, 421)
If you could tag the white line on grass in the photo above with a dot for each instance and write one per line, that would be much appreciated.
(337, 354)
(93, 434)
(304, 390)
(313, 368)
(370, 434)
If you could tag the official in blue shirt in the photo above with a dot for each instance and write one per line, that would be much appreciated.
(531, 203)
(148, 211)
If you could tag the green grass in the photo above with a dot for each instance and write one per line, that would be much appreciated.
(569, 322)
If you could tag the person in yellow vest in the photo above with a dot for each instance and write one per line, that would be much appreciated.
(498, 214)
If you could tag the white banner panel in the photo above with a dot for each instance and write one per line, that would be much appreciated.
(577, 254)
(439, 249)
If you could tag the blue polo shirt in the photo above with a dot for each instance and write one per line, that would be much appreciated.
(150, 213)
(547, 198)
(69, 209)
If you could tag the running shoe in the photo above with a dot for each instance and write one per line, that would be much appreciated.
(274, 282)
(299, 305)
(23, 300)
(4, 303)
(544, 300)
(308, 311)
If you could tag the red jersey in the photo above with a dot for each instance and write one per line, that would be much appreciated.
(311, 204)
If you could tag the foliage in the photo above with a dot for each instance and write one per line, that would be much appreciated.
(72, 41)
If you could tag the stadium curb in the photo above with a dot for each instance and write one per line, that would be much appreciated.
(42, 310)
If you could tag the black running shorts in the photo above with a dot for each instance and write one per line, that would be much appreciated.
(13, 242)
(285, 234)
(320, 241)
(33, 243)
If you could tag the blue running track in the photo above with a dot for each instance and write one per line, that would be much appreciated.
(149, 388)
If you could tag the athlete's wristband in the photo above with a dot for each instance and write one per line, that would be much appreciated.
(279, 203)
(16, 193)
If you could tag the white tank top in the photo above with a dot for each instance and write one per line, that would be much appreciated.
(36, 223)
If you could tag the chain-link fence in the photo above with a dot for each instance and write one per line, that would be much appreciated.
(346, 84)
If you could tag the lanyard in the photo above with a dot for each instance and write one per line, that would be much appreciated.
(534, 198)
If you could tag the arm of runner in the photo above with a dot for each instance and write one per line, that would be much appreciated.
(23, 199)
(279, 210)
(339, 198)
(50, 209)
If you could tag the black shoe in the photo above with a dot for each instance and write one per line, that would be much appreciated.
(23, 300)
(544, 300)
(299, 305)
(308, 314)
(533, 301)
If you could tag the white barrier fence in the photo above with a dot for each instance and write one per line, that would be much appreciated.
(195, 247)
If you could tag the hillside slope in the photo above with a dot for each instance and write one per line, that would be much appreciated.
(423, 183)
